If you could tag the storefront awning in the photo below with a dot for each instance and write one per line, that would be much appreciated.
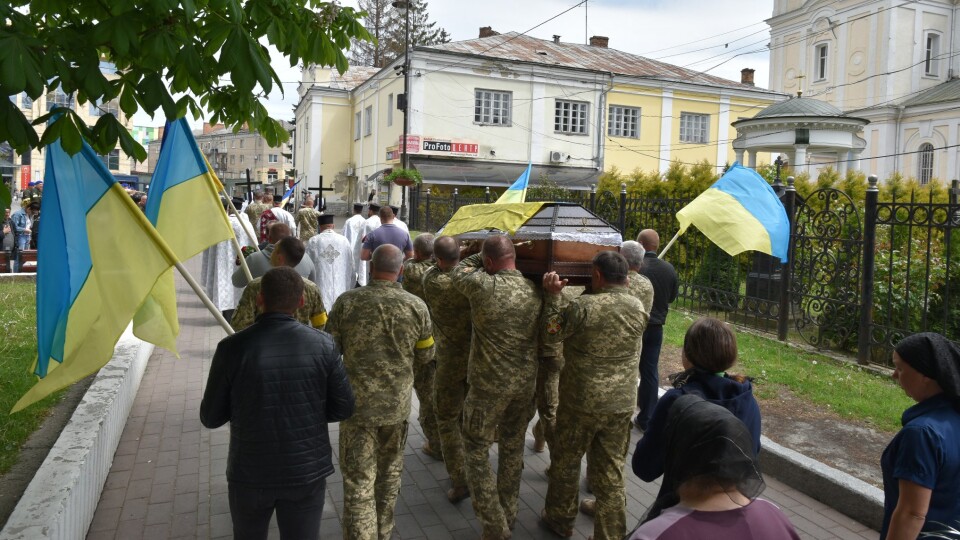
(463, 172)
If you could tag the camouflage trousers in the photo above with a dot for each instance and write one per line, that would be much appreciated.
(548, 398)
(495, 498)
(450, 392)
(371, 461)
(423, 382)
(605, 439)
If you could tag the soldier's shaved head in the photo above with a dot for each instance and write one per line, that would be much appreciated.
(633, 253)
(649, 239)
(423, 247)
(446, 248)
(386, 261)
(499, 248)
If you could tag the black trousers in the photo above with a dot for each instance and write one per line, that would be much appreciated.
(299, 511)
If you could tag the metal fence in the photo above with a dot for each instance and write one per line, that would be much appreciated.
(861, 274)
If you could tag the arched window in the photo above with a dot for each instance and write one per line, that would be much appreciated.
(925, 172)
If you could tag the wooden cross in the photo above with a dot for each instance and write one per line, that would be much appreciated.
(320, 191)
(249, 185)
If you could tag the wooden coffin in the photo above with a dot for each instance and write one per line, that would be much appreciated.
(562, 238)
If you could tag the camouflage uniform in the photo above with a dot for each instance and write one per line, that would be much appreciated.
(502, 374)
(548, 378)
(310, 314)
(383, 332)
(254, 211)
(423, 375)
(641, 288)
(306, 221)
(450, 313)
(602, 333)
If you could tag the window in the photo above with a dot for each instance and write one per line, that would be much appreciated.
(368, 120)
(492, 108)
(112, 160)
(570, 117)
(271, 176)
(389, 110)
(58, 98)
(623, 122)
(926, 163)
(26, 102)
(241, 143)
(820, 68)
(356, 126)
(106, 108)
(272, 158)
(233, 159)
(931, 62)
(241, 158)
(694, 128)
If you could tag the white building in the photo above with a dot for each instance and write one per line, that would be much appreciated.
(891, 62)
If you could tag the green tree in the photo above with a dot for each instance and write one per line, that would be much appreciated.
(422, 30)
(373, 52)
(170, 55)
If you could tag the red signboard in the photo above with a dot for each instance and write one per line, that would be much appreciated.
(24, 176)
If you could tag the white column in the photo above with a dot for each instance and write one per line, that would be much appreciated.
(842, 162)
(800, 165)
(752, 157)
(666, 129)
(739, 156)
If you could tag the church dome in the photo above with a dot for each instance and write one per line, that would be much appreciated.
(799, 106)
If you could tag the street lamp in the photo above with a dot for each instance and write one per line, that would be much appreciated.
(405, 5)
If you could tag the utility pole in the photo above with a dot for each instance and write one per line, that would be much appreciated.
(405, 5)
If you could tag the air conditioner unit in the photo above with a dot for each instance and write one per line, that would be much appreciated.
(351, 170)
(558, 157)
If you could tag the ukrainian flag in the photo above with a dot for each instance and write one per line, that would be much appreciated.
(184, 205)
(98, 259)
(286, 196)
(740, 212)
(517, 193)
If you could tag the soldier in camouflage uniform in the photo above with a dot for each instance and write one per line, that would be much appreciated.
(287, 252)
(639, 284)
(502, 374)
(423, 375)
(306, 220)
(548, 382)
(450, 313)
(601, 334)
(383, 332)
(255, 209)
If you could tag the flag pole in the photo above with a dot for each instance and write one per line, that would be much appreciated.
(205, 299)
(242, 224)
(670, 243)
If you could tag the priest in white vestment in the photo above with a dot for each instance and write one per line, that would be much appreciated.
(371, 224)
(332, 255)
(353, 232)
(218, 264)
(396, 219)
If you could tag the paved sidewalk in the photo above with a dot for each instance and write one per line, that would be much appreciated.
(168, 475)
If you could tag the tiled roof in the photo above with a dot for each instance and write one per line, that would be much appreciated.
(523, 48)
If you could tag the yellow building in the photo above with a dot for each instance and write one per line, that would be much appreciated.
(480, 110)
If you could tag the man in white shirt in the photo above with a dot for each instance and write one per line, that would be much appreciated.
(372, 224)
(332, 255)
(396, 219)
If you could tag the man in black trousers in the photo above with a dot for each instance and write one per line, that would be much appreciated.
(278, 383)
(665, 287)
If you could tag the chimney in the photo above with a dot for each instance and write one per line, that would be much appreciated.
(488, 31)
(599, 41)
(556, 38)
(746, 76)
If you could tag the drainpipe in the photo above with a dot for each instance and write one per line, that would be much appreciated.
(601, 128)
(896, 149)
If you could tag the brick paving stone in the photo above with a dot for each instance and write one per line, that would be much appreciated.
(168, 475)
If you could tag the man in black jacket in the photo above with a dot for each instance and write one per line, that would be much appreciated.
(665, 287)
(278, 383)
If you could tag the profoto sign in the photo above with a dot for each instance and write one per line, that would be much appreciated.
(442, 147)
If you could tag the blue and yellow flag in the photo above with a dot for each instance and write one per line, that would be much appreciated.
(99, 257)
(517, 193)
(507, 217)
(287, 194)
(184, 205)
(740, 212)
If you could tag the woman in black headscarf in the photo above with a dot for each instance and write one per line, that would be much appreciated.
(711, 480)
(921, 466)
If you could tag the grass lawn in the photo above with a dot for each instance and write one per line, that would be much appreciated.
(18, 350)
(844, 387)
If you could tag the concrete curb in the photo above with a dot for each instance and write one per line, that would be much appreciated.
(842, 492)
(61, 499)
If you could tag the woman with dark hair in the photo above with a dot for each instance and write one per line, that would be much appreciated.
(711, 481)
(709, 350)
(921, 466)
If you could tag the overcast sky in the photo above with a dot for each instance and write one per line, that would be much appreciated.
(722, 37)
